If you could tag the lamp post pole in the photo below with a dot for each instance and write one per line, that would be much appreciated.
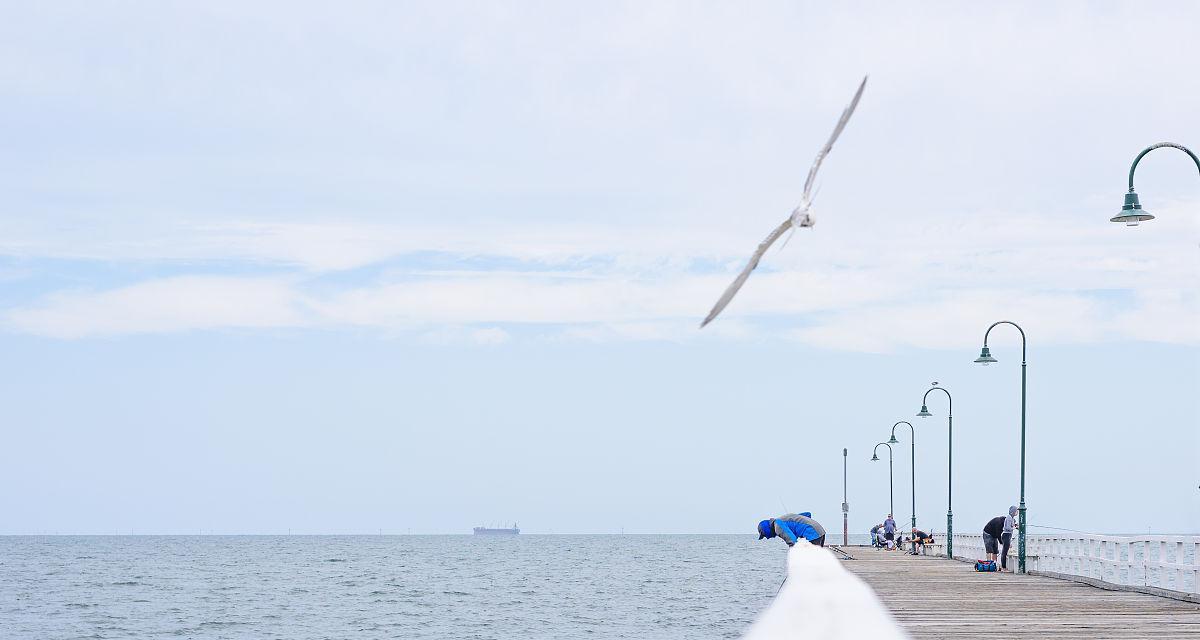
(1132, 212)
(891, 505)
(924, 413)
(913, 467)
(985, 358)
(845, 503)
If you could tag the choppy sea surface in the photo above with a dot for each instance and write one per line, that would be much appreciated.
(446, 587)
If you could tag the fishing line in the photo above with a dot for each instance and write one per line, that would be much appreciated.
(1042, 526)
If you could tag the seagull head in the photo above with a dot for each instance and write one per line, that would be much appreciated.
(802, 215)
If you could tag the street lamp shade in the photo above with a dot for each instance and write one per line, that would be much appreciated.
(893, 440)
(1132, 212)
(985, 357)
(924, 412)
(874, 457)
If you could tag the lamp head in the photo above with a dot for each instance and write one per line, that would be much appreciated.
(985, 357)
(924, 412)
(893, 440)
(874, 457)
(1132, 212)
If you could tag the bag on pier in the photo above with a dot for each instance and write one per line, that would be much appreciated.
(985, 565)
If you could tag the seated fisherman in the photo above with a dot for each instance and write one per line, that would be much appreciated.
(792, 528)
(920, 539)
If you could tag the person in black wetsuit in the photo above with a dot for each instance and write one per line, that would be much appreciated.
(992, 532)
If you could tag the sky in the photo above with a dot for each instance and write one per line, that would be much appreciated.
(414, 267)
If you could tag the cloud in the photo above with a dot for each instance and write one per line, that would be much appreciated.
(453, 335)
(601, 177)
(933, 285)
(166, 305)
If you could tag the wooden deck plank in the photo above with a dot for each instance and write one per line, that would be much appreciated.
(937, 598)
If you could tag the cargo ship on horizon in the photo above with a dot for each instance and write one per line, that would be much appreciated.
(486, 531)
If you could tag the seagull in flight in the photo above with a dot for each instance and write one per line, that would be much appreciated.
(801, 216)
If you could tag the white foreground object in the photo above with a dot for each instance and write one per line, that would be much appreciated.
(821, 600)
(801, 216)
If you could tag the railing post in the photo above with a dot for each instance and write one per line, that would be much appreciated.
(1077, 552)
(1160, 576)
(1120, 568)
(1071, 550)
(1128, 578)
(1196, 567)
(1085, 556)
(1129, 568)
(1102, 556)
(1146, 563)
(1079, 564)
(1116, 569)
(1085, 564)
(1164, 573)
(1086, 549)
(1179, 577)
(1116, 563)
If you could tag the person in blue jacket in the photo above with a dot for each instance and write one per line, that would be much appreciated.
(792, 528)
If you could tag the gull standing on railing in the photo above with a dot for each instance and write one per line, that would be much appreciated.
(800, 217)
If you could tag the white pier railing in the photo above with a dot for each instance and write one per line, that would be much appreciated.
(1169, 563)
(1166, 565)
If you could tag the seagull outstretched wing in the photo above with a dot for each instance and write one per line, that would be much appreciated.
(837, 131)
(805, 201)
(741, 279)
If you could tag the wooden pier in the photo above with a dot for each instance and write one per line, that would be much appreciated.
(938, 598)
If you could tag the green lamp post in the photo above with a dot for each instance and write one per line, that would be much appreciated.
(985, 358)
(1132, 212)
(845, 502)
(874, 457)
(924, 413)
(912, 465)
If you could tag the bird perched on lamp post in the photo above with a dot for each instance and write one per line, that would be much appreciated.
(801, 216)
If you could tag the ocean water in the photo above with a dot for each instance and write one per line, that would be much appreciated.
(446, 587)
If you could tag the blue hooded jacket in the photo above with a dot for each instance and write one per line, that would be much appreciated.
(791, 527)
